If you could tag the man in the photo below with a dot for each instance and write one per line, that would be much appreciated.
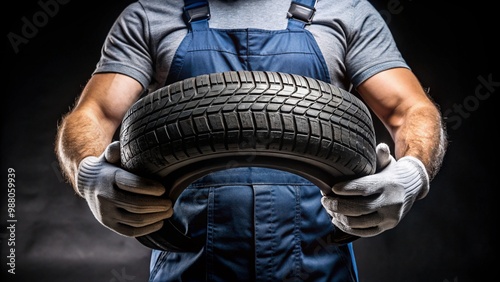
(249, 233)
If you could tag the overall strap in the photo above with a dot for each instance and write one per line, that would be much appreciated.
(301, 13)
(197, 14)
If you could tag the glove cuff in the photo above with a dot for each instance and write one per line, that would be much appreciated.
(418, 174)
(87, 169)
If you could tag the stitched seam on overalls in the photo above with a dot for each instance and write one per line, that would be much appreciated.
(272, 228)
(210, 234)
(265, 267)
(178, 66)
(297, 237)
(346, 260)
(159, 262)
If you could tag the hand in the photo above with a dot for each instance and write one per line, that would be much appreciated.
(124, 202)
(369, 205)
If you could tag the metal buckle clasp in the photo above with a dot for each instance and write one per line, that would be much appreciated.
(197, 13)
(301, 12)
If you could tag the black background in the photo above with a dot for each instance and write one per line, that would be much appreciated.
(448, 236)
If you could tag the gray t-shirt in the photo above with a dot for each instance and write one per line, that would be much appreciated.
(353, 37)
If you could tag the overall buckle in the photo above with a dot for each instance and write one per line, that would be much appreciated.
(199, 13)
(300, 12)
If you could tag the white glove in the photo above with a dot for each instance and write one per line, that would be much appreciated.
(124, 202)
(369, 205)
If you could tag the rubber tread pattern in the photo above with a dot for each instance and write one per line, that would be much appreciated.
(245, 118)
(268, 111)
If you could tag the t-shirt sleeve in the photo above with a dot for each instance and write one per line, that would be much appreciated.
(371, 47)
(126, 49)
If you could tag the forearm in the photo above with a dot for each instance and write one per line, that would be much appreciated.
(89, 128)
(79, 135)
(422, 135)
(411, 117)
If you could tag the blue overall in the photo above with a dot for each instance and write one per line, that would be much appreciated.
(260, 224)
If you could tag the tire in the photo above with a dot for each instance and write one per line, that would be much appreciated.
(207, 123)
